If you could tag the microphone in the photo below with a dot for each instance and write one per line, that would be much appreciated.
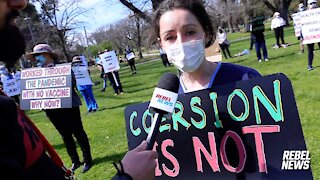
(162, 102)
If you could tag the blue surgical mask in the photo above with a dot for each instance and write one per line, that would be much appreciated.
(40, 60)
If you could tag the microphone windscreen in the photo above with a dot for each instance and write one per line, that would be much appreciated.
(169, 82)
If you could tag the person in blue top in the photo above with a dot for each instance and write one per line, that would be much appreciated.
(184, 30)
(85, 90)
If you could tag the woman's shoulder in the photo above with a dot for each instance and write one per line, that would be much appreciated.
(229, 73)
(239, 69)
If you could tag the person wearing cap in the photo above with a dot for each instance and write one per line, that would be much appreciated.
(85, 90)
(45, 57)
(277, 25)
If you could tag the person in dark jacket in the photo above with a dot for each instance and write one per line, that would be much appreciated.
(22, 153)
(257, 29)
(67, 127)
(130, 59)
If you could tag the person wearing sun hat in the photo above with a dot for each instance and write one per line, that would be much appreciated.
(85, 90)
(43, 55)
(66, 120)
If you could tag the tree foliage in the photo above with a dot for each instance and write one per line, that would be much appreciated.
(61, 17)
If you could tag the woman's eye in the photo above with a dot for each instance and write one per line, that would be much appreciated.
(169, 38)
(190, 33)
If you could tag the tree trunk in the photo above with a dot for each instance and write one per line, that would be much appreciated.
(139, 37)
(63, 44)
(284, 13)
(230, 23)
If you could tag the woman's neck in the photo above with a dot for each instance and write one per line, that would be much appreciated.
(198, 79)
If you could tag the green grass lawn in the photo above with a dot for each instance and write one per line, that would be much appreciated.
(106, 128)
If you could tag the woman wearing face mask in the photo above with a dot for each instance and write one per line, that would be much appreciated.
(66, 120)
(183, 29)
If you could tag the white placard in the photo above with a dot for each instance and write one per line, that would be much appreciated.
(130, 56)
(310, 23)
(297, 24)
(46, 88)
(10, 86)
(82, 75)
(61, 70)
(109, 61)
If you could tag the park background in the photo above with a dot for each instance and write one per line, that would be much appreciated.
(106, 127)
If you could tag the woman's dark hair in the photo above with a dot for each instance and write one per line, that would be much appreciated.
(196, 7)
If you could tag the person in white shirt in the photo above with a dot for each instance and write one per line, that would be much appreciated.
(223, 42)
(277, 25)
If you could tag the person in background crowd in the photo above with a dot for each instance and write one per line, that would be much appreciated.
(277, 25)
(301, 8)
(131, 61)
(120, 59)
(8, 75)
(257, 29)
(86, 90)
(252, 37)
(115, 81)
(252, 41)
(312, 4)
(18, 160)
(102, 74)
(164, 58)
(223, 42)
(67, 127)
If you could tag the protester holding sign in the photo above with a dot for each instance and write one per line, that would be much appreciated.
(130, 58)
(10, 84)
(84, 83)
(183, 34)
(45, 57)
(312, 4)
(111, 66)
